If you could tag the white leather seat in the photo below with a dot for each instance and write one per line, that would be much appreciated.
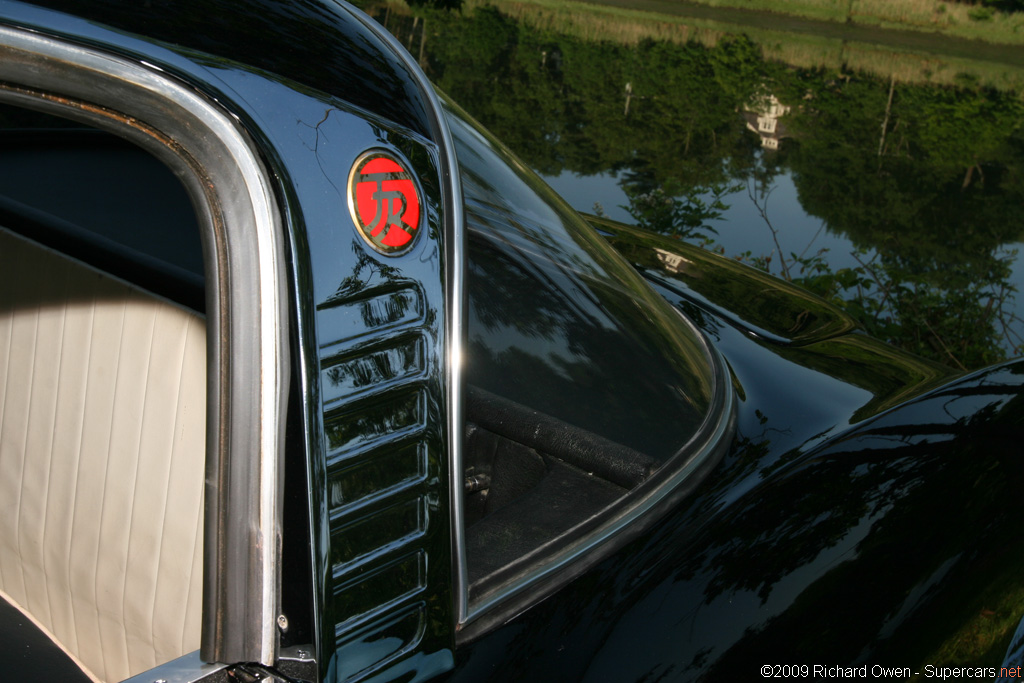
(102, 448)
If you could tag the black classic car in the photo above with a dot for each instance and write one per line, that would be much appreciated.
(303, 376)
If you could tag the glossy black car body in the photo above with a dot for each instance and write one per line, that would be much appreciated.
(525, 446)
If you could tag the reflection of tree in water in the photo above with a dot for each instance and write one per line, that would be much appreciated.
(929, 179)
(935, 198)
(946, 187)
(677, 213)
(929, 202)
(561, 102)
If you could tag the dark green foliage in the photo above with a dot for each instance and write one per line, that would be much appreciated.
(961, 326)
(674, 211)
(984, 9)
(933, 197)
(981, 14)
(438, 4)
(926, 181)
(656, 110)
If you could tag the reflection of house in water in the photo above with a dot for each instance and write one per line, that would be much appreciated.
(673, 262)
(764, 120)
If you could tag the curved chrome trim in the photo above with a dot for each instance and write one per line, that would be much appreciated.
(687, 469)
(455, 251)
(244, 261)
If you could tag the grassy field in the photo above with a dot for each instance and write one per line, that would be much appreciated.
(801, 48)
(953, 19)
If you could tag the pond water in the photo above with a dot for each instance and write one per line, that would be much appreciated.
(895, 196)
(741, 227)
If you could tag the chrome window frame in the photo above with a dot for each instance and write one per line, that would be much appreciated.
(244, 260)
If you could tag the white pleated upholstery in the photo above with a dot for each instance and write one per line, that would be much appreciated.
(102, 443)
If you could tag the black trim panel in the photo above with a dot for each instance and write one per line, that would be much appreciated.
(29, 654)
(135, 267)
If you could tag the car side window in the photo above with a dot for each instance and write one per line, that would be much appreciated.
(102, 200)
(102, 396)
(581, 382)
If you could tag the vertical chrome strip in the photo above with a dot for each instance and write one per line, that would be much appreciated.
(455, 249)
(244, 261)
(455, 338)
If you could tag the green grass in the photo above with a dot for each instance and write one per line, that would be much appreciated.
(600, 22)
(933, 16)
(990, 622)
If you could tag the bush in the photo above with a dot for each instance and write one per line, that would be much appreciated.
(981, 14)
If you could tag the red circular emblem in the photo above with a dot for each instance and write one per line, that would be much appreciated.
(384, 201)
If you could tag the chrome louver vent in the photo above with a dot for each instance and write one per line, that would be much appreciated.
(387, 511)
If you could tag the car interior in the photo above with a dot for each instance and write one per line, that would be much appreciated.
(532, 484)
(102, 399)
(103, 403)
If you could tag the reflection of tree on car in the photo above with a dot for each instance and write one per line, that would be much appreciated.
(522, 445)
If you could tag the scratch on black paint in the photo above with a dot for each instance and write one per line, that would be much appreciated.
(315, 149)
